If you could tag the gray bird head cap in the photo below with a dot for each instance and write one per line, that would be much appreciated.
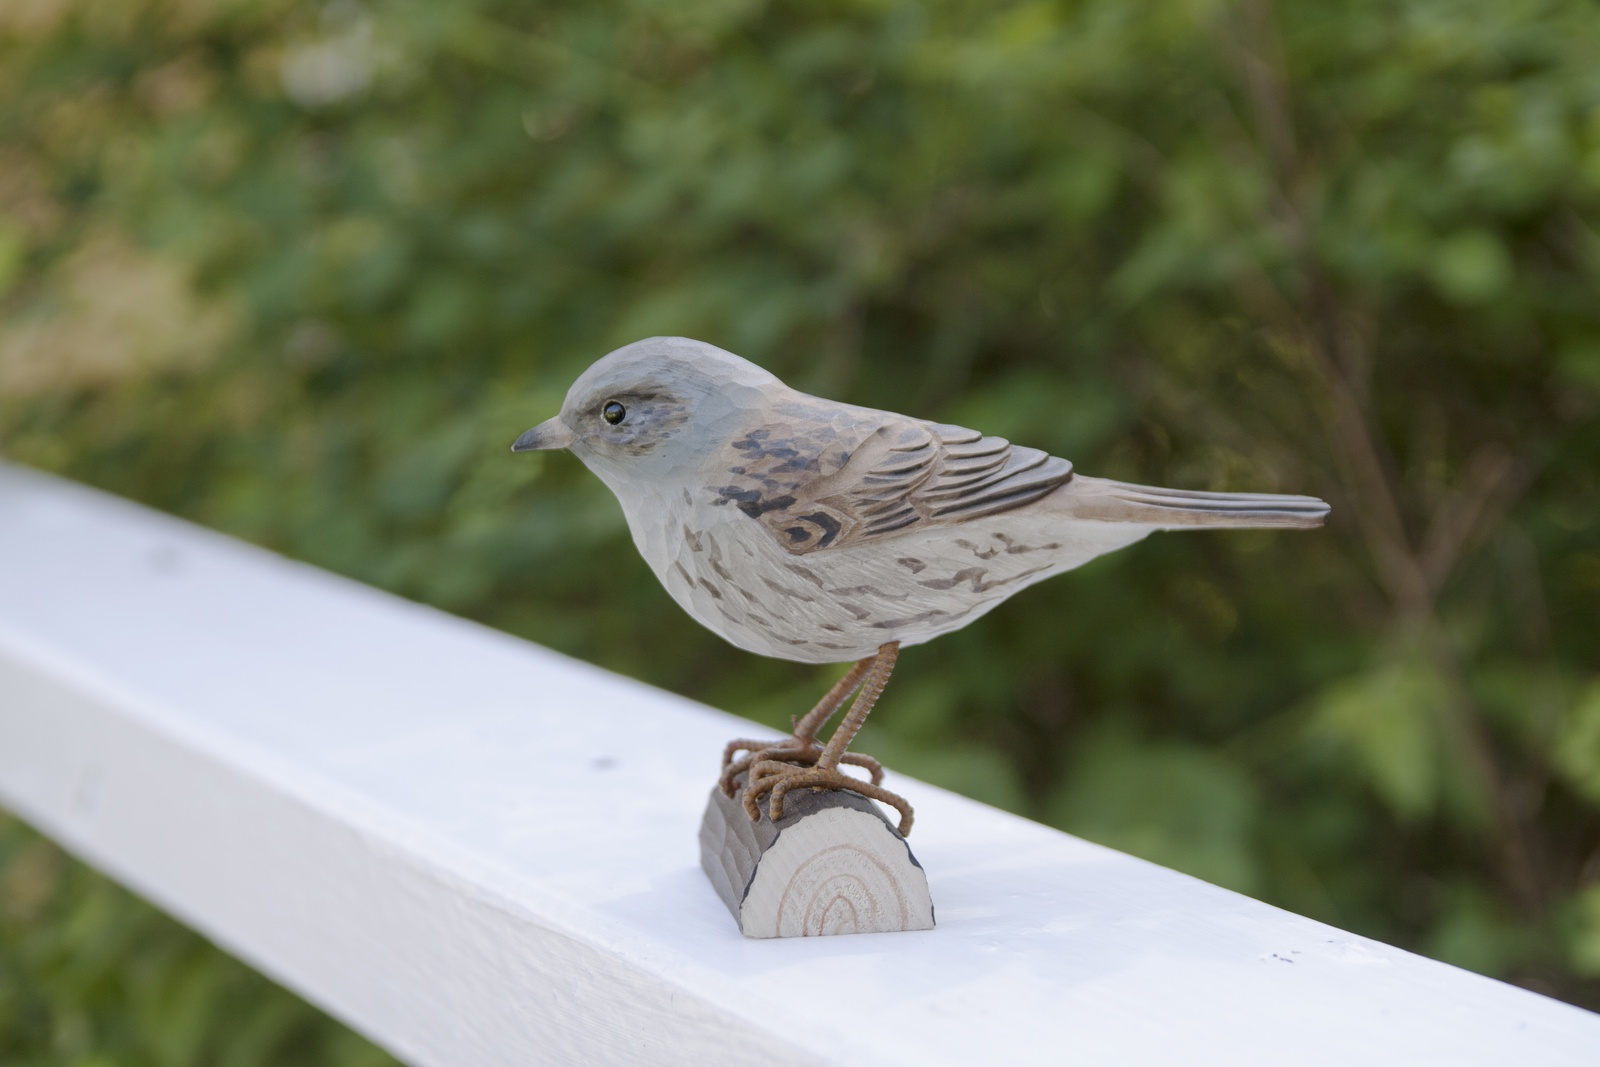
(650, 409)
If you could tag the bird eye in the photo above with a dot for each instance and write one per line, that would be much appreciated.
(613, 412)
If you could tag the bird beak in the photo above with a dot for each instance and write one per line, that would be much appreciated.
(547, 435)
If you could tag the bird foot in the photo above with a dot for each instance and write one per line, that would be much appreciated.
(795, 749)
(778, 777)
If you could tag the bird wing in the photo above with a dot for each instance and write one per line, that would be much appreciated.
(874, 474)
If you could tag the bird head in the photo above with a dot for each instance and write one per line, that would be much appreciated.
(651, 409)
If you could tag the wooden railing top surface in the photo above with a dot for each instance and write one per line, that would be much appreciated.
(479, 852)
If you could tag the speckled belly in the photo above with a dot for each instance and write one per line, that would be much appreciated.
(835, 605)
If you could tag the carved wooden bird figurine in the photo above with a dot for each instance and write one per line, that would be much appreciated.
(823, 532)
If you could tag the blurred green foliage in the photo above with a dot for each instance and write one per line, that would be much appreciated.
(301, 272)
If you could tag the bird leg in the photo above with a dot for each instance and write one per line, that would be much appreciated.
(809, 765)
(802, 746)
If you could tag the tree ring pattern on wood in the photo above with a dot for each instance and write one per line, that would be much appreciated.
(832, 865)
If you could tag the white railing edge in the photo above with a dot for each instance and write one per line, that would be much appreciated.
(692, 1005)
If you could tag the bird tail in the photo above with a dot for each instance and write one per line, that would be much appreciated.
(1109, 501)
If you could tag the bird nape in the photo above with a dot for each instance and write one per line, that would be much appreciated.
(818, 531)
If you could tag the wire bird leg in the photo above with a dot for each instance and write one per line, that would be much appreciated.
(801, 761)
(801, 747)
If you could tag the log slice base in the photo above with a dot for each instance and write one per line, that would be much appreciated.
(832, 865)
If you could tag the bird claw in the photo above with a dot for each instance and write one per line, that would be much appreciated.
(798, 750)
(795, 751)
(779, 777)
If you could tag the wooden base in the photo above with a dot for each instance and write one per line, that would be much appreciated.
(832, 865)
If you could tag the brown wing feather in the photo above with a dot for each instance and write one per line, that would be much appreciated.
(871, 474)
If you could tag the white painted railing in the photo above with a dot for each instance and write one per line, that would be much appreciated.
(480, 853)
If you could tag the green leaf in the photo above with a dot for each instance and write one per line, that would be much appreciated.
(1471, 267)
(1177, 805)
(1577, 752)
(13, 253)
(1583, 946)
(1390, 720)
(1477, 931)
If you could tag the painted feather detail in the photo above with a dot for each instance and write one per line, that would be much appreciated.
(878, 475)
